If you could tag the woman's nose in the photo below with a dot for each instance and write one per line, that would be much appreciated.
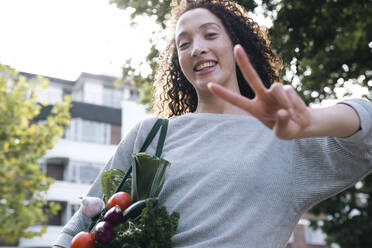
(197, 50)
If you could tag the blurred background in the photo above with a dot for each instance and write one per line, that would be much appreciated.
(98, 61)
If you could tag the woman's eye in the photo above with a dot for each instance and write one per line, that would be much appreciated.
(211, 35)
(183, 44)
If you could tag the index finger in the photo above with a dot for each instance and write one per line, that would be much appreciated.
(232, 97)
(249, 73)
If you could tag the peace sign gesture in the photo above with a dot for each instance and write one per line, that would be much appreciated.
(279, 107)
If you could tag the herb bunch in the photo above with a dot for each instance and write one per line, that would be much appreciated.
(153, 229)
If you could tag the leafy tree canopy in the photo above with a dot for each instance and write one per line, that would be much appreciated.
(23, 184)
(327, 42)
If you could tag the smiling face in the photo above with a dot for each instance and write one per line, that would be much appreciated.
(205, 51)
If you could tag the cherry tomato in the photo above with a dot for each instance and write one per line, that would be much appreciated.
(83, 240)
(122, 199)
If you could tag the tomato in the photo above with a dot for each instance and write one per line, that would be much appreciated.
(83, 240)
(122, 199)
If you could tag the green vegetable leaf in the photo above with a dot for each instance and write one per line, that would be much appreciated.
(148, 173)
(111, 180)
(154, 229)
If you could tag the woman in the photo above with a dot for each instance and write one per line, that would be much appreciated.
(248, 157)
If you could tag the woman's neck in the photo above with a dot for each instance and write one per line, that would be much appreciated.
(214, 104)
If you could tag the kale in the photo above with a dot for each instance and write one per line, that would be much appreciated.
(154, 228)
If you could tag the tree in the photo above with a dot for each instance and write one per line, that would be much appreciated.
(327, 45)
(23, 184)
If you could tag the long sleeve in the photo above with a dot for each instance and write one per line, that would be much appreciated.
(325, 166)
(120, 160)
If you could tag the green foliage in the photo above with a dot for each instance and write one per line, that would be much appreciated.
(327, 42)
(153, 229)
(22, 142)
(158, 8)
(348, 215)
(111, 180)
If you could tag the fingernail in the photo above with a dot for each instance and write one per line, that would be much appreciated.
(236, 47)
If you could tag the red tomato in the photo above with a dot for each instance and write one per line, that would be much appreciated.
(83, 240)
(122, 199)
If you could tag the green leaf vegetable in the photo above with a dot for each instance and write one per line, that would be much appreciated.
(148, 175)
(111, 180)
(154, 227)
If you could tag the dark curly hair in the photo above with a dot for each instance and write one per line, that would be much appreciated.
(174, 94)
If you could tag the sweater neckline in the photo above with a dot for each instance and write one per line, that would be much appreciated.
(217, 116)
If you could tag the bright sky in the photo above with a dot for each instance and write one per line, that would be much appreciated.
(62, 38)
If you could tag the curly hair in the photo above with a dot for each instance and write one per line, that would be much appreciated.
(174, 95)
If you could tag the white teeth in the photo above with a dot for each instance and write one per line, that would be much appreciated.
(205, 65)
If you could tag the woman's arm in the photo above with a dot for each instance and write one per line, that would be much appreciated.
(339, 120)
(281, 109)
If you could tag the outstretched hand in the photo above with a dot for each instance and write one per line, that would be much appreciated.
(279, 107)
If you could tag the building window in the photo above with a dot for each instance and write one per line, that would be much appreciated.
(88, 131)
(58, 219)
(55, 168)
(112, 97)
(50, 95)
(96, 132)
(83, 172)
(66, 92)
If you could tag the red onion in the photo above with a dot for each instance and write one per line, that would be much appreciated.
(114, 216)
(103, 232)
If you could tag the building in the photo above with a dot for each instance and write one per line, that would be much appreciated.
(96, 127)
(100, 116)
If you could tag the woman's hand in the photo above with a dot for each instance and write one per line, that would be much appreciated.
(279, 108)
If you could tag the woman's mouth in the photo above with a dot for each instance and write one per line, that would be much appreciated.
(205, 67)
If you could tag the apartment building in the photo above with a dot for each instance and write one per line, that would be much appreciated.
(97, 116)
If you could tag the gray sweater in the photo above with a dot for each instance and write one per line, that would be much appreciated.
(237, 185)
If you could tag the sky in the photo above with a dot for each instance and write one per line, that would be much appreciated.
(62, 38)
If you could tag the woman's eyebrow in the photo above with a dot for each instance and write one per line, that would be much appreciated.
(204, 25)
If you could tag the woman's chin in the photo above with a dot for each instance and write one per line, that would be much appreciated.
(203, 85)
